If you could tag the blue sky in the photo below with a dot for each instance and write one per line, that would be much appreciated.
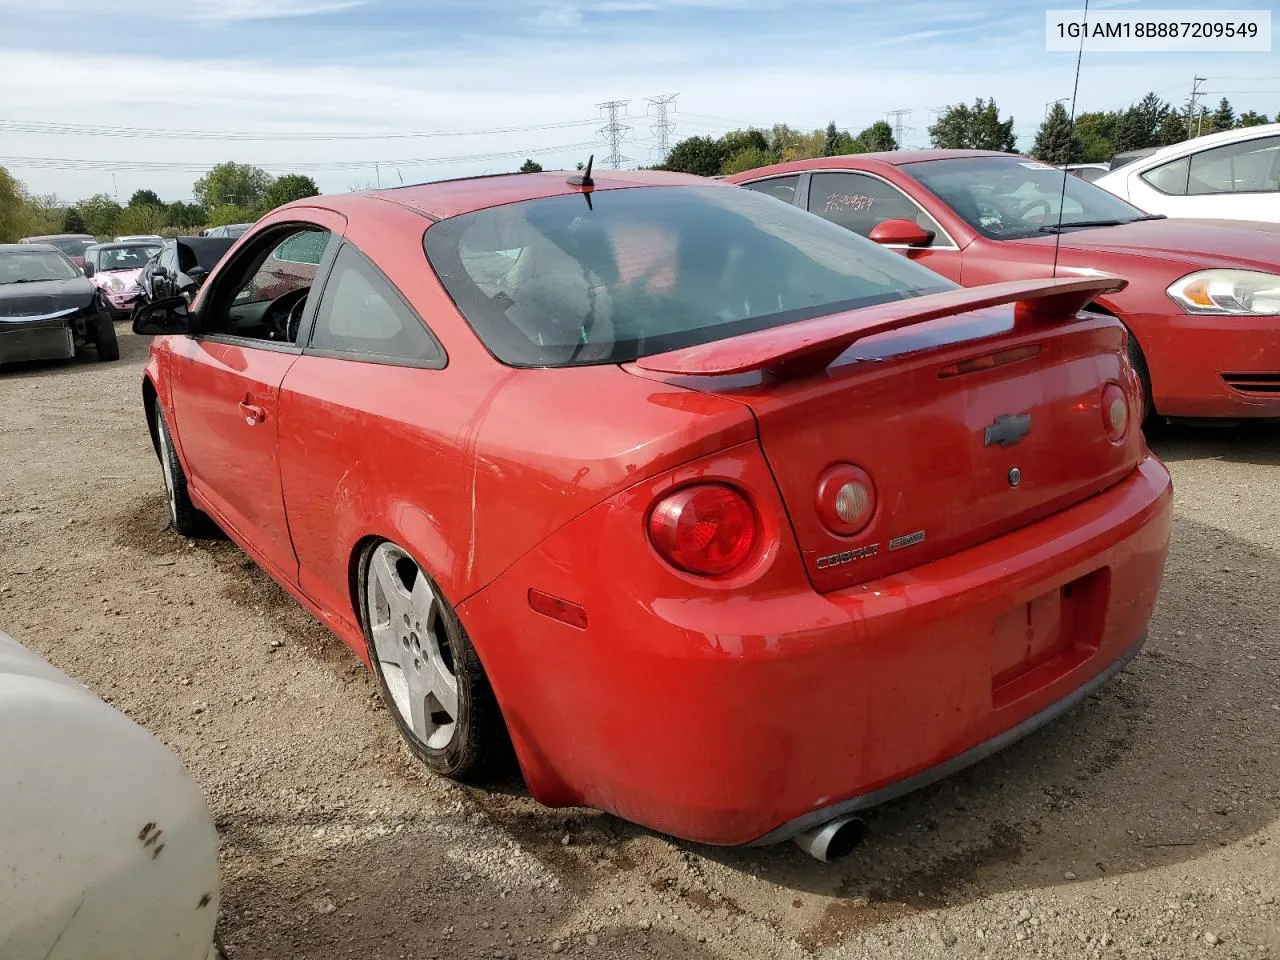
(271, 72)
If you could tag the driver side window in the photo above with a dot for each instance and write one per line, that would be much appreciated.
(262, 296)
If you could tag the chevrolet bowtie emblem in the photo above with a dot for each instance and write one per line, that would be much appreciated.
(1007, 430)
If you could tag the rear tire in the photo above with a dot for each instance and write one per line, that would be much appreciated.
(105, 335)
(430, 678)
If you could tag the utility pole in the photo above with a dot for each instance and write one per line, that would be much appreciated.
(377, 169)
(660, 106)
(1191, 105)
(897, 116)
(615, 131)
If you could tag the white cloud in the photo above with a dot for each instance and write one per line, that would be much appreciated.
(217, 11)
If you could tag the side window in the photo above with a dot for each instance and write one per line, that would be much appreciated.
(784, 188)
(302, 248)
(1250, 167)
(858, 203)
(1170, 178)
(363, 316)
(259, 297)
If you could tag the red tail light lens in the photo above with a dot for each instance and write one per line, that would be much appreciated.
(708, 529)
(1115, 412)
(846, 499)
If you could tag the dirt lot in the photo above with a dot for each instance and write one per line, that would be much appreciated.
(1146, 823)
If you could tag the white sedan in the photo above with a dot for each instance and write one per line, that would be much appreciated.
(1233, 175)
(107, 848)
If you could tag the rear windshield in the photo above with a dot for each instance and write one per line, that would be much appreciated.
(555, 282)
(72, 248)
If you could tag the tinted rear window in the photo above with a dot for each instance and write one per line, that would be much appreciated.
(553, 282)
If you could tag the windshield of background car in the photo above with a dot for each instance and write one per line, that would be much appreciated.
(125, 258)
(34, 267)
(72, 248)
(1010, 198)
(555, 282)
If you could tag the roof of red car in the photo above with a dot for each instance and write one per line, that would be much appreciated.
(893, 158)
(449, 198)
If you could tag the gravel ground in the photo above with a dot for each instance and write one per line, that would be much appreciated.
(1145, 823)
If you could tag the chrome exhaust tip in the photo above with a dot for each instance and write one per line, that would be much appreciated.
(834, 840)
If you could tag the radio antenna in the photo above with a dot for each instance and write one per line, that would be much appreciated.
(1062, 199)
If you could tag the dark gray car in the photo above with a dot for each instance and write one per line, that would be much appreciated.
(48, 309)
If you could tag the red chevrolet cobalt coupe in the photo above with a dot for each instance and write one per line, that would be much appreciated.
(734, 522)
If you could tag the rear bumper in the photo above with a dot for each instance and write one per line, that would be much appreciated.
(1212, 366)
(747, 718)
(36, 340)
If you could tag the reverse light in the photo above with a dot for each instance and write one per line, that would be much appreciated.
(1115, 412)
(709, 529)
(1228, 292)
(846, 498)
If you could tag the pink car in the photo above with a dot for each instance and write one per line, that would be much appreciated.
(113, 268)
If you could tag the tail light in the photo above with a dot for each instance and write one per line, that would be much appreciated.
(1115, 412)
(708, 529)
(846, 499)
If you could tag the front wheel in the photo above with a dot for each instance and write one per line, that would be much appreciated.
(186, 518)
(1139, 364)
(431, 680)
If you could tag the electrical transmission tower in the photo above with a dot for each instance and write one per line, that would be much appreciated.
(661, 107)
(615, 131)
(896, 117)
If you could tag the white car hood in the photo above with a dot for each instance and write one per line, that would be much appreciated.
(107, 848)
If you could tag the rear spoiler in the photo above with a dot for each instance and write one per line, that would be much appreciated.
(799, 349)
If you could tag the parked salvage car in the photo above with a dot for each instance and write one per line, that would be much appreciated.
(108, 847)
(558, 453)
(114, 269)
(181, 266)
(72, 244)
(1203, 301)
(232, 230)
(48, 309)
(1232, 175)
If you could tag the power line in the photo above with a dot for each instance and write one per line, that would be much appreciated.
(152, 133)
(662, 124)
(183, 166)
(615, 131)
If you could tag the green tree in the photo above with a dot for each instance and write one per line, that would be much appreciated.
(1173, 129)
(977, 127)
(73, 222)
(238, 184)
(145, 198)
(13, 208)
(831, 141)
(1056, 140)
(702, 156)
(141, 219)
(748, 158)
(294, 186)
(531, 166)
(875, 138)
(184, 216)
(100, 213)
(1251, 119)
(220, 216)
(1095, 130)
(737, 140)
(1224, 118)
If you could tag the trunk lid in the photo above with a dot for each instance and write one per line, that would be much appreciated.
(940, 444)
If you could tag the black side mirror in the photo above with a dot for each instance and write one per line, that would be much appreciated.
(197, 275)
(166, 316)
(88, 269)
